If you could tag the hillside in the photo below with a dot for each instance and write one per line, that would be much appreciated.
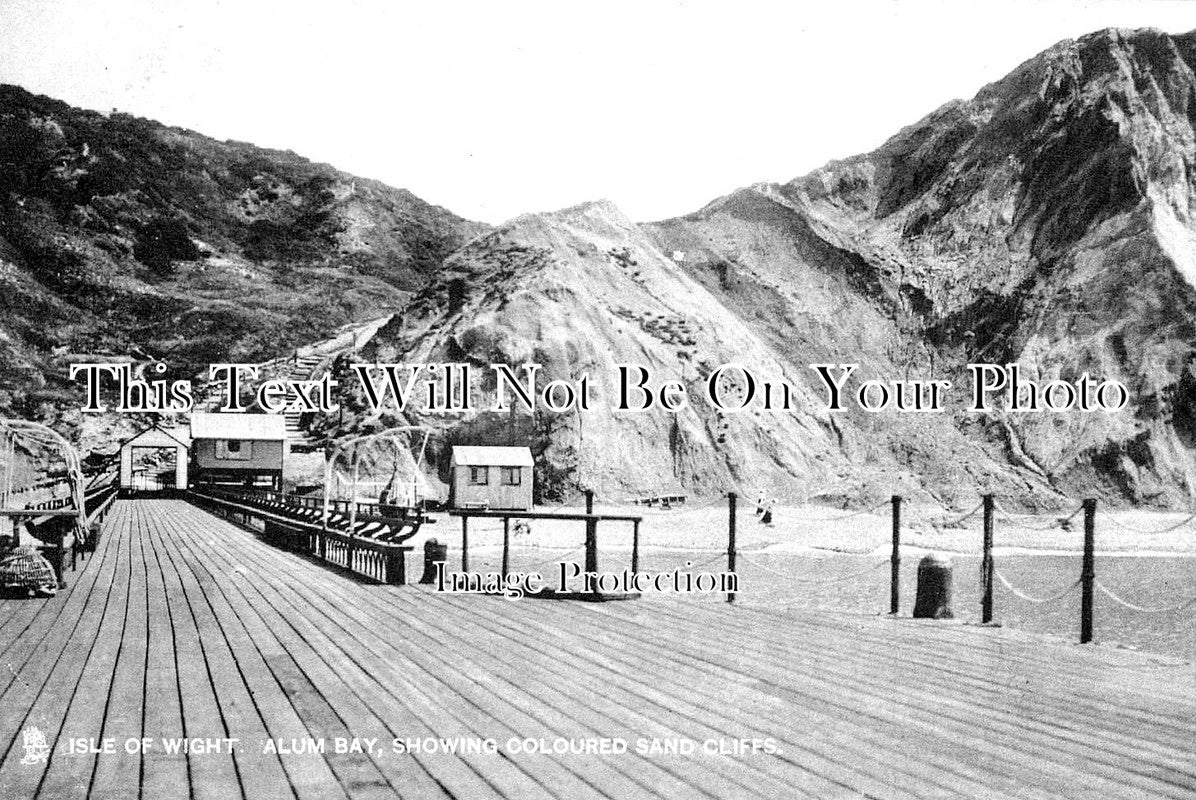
(1047, 221)
(126, 238)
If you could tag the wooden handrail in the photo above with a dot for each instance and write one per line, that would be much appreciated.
(576, 516)
(406, 517)
(382, 561)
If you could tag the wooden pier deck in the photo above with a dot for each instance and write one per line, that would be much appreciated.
(183, 625)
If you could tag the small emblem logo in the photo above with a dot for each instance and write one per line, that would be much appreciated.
(36, 749)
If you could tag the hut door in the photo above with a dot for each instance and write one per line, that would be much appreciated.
(154, 468)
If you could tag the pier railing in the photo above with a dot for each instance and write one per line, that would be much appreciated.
(371, 546)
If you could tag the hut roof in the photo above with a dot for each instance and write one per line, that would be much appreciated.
(255, 427)
(474, 456)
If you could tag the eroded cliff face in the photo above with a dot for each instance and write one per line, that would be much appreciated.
(1048, 221)
(582, 291)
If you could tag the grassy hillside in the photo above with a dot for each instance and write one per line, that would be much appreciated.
(122, 237)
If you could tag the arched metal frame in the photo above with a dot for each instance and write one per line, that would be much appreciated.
(355, 447)
(46, 438)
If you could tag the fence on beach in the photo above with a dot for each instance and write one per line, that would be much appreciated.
(991, 515)
(988, 516)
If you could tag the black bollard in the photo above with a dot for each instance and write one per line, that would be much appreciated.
(434, 552)
(934, 588)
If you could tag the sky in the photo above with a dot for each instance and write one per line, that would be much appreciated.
(493, 109)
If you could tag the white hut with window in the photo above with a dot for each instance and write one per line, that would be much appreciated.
(238, 448)
(498, 478)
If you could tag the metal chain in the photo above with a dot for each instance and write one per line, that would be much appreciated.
(1037, 600)
(1023, 520)
(881, 504)
(1142, 609)
(1168, 529)
(953, 522)
(808, 581)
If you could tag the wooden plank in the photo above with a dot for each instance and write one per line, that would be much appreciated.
(812, 751)
(42, 685)
(1057, 687)
(118, 775)
(892, 741)
(412, 649)
(298, 670)
(1033, 747)
(261, 774)
(308, 777)
(577, 703)
(164, 775)
(500, 719)
(71, 774)
(457, 648)
(212, 775)
(377, 685)
(338, 682)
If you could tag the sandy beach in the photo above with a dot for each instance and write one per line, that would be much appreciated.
(818, 557)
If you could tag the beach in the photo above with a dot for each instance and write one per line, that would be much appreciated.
(814, 557)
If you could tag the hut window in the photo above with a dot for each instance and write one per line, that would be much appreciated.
(479, 476)
(511, 476)
(234, 449)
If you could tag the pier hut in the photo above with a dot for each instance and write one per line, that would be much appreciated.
(154, 460)
(247, 449)
(498, 478)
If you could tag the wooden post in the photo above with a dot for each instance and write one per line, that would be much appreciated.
(986, 563)
(591, 544)
(895, 558)
(635, 546)
(506, 546)
(731, 500)
(396, 567)
(1088, 571)
(58, 553)
(591, 534)
(464, 543)
(353, 502)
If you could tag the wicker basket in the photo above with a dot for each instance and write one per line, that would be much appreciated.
(25, 568)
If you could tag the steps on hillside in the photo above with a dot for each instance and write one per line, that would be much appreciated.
(302, 364)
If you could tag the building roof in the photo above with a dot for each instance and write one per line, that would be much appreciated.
(492, 456)
(155, 436)
(254, 427)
